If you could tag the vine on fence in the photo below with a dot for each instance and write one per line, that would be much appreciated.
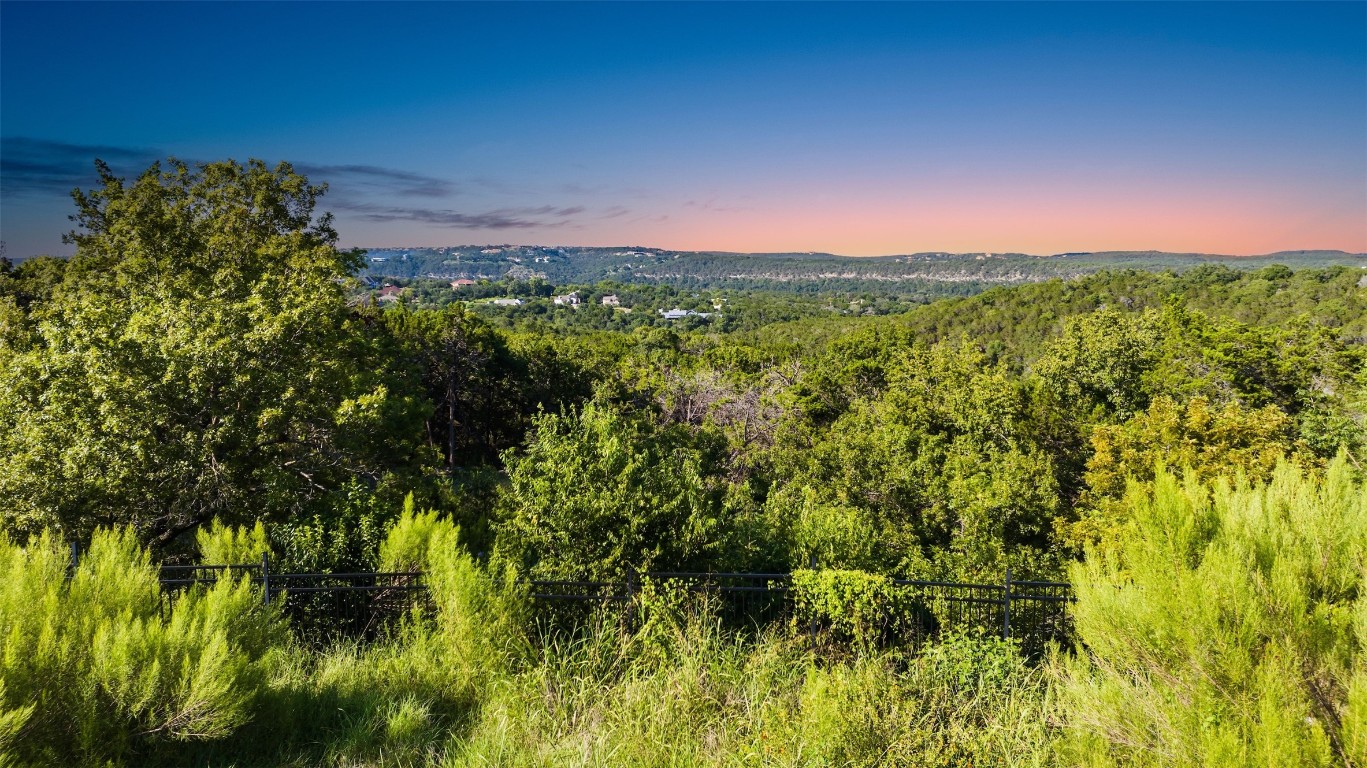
(854, 606)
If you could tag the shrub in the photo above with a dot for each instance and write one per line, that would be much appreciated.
(479, 614)
(1228, 627)
(221, 544)
(603, 492)
(107, 665)
(866, 608)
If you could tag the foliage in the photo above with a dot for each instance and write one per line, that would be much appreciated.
(944, 459)
(1100, 361)
(814, 532)
(851, 605)
(196, 360)
(220, 544)
(480, 613)
(601, 493)
(1209, 441)
(343, 538)
(1227, 628)
(106, 665)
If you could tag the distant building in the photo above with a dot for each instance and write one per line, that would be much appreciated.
(508, 302)
(570, 299)
(390, 293)
(461, 283)
(679, 314)
(611, 300)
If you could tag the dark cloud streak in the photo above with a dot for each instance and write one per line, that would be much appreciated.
(403, 183)
(42, 168)
(39, 167)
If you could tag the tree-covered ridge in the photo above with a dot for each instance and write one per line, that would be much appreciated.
(922, 275)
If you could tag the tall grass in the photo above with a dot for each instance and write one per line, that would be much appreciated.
(696, 695)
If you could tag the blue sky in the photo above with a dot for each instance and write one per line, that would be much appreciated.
(851, 128)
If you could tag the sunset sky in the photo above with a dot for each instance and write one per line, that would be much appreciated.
(857, 129)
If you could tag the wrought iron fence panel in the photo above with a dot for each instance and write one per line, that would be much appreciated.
(562, 606)
(326, 606)
(740, 600)
(322, 607)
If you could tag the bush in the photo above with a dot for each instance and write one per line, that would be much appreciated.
(602, 493)
(106, 665)
(851, 605)
(221, 544)
(1229, 627)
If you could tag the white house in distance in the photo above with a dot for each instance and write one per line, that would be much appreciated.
(679, 314)
(508, 302)
(461, 283)
(610, 300)
(570, 299)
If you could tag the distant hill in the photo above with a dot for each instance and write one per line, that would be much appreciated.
(932, 273)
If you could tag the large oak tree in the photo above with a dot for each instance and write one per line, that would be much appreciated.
(196, 359)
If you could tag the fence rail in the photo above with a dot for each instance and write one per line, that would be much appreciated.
(326, 606)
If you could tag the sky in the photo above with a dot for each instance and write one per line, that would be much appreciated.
(850, 128)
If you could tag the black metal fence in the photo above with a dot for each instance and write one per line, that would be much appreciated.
(1032, 612)
(326, 606)
(321, 607)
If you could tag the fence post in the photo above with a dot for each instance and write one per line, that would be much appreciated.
(75, 559)
(631, 599)
(1006, 606)
(265, 579)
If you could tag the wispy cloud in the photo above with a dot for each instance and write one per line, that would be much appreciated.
(42, 167)
(712, 205)
(505, 218)
(38, 167)
(377, 178)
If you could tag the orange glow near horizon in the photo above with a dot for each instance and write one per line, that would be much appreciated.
(1045, 222)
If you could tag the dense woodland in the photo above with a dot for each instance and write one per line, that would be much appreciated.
(209, 378)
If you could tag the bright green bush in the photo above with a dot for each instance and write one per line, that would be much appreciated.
(851, 605)
(480, 613)
(109, 665)
(406, 546)
(1228, 628)
(221, 544)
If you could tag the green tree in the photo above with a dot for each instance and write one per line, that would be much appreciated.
(947, 465)
(196, 360)
(602, 492)
(1209, 441)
